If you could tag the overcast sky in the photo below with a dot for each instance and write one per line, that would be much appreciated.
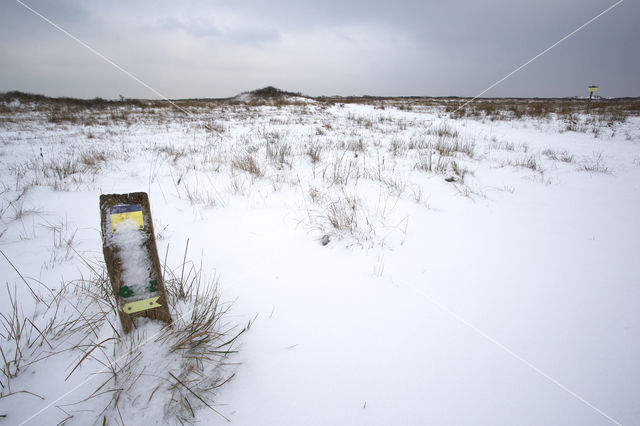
(203, 48)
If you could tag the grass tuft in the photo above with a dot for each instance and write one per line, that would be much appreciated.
(178, 367)
(247, 163)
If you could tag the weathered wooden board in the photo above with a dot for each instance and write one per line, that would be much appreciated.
(131, 214)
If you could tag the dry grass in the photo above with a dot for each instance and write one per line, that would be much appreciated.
(183, 376)
(247, 163)
(314, 151)
(595, 164)
(345, 147)
(608, 111)
(342, 170)
(101, 112)
(530, 162)
(279, 153)
(563, 156)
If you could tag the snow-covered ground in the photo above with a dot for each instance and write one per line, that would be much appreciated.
(474, 271)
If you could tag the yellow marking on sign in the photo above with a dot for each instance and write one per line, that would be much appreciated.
(592, 89)
(141, 305)
(118, 218)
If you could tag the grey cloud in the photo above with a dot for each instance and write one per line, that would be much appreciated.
(404, 47)
(256, 36)
(197, 28)
(204, 28)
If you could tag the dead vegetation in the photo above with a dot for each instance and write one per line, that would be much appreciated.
(72, 110)
(335, 143)
(247, 163)
(607, 110)
(182, 364)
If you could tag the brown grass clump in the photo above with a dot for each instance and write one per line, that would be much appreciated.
(248, 164)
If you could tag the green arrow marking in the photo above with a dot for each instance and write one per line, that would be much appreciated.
(125, 291)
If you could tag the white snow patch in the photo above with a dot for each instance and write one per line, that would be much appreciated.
(134, 259)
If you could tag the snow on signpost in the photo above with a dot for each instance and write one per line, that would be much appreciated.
(131, 255)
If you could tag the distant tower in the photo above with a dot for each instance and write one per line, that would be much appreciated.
(591, 90)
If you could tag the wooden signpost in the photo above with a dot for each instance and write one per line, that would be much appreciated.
(131, 255)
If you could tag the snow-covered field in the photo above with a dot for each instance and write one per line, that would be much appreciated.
(397, 264)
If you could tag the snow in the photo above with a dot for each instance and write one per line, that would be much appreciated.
(135, 262)
(507, 297)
